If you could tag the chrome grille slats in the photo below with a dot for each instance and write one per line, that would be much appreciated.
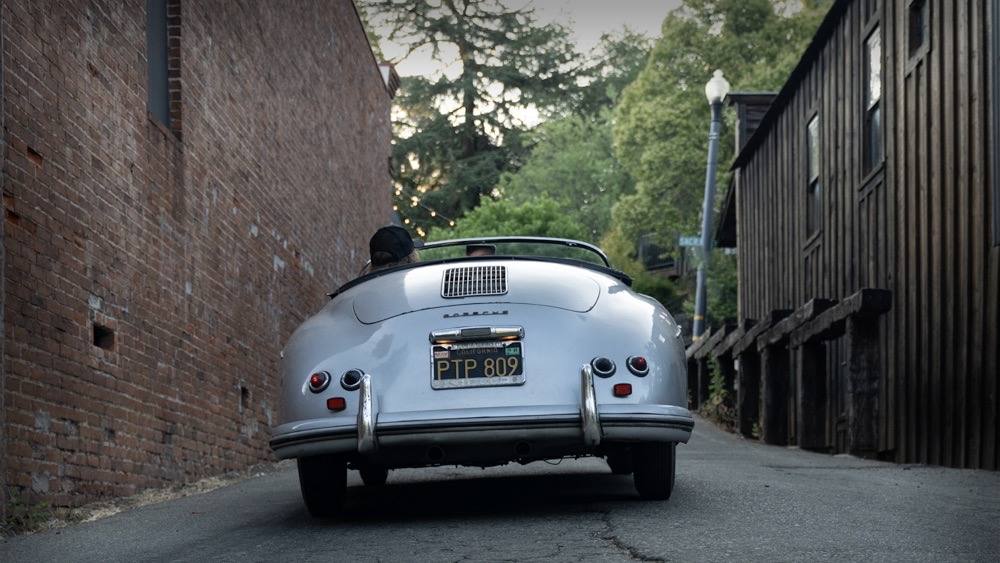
(473, 281)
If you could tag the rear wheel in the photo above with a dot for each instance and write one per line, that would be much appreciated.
(620, 462)
(373, 475)
(323, 481)
(655, 468)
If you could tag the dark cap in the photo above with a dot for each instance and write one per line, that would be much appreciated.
(390, 244)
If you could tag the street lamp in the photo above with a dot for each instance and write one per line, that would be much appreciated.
(715, 91)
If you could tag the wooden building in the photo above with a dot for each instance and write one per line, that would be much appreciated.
(866, 210)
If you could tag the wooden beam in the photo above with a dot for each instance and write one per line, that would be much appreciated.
(697, 344)
(734, 336)
(830, 323)
(749, 339)
(781, 330)
(717, 337)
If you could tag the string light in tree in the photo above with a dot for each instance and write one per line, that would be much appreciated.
(415, 201)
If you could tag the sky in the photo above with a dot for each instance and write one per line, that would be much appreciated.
(587, 20)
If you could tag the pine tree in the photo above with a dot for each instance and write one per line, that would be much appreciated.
(456, 134)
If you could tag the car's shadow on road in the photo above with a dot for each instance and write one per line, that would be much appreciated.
(486, 496)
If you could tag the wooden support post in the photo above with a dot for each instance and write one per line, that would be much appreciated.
(704, 378)
(862, 385)
(692, 369)
(774, 367)
(725, 363)
(811, 400)
(748, 402)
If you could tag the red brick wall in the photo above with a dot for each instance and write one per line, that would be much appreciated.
(201, 254)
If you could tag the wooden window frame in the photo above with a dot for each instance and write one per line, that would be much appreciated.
(869, 169)
(915, 56)
(813, 182)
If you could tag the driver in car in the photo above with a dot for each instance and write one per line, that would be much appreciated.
(391, 246)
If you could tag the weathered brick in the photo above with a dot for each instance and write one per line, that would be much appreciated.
(171, 241)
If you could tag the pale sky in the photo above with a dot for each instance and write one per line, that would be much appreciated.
(586, 19)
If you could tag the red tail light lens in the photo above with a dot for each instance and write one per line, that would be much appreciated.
(336, 403)
(318, 381)
(622, 389)
(638, 365)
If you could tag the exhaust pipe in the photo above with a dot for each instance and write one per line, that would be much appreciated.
(435, 454)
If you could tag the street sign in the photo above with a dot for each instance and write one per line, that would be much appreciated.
(690, 241)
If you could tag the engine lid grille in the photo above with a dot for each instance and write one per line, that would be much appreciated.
(474, 281)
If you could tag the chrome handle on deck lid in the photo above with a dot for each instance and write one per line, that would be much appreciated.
(450, 335)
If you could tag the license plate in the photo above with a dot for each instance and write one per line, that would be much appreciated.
(477, 364)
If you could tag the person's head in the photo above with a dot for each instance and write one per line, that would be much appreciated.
(480, 250)
(391, 246)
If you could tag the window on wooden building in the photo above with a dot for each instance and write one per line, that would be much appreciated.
(873, 101)
(917, 30)
(814, 194)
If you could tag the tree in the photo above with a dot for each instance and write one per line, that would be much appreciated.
(539, 217)
(572, 159)
(455, 135)
(573, 164)
(615, 63)
(661, 122)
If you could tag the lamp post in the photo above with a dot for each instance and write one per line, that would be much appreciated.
(715, 91)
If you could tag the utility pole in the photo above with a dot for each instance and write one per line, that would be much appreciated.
(715, 91)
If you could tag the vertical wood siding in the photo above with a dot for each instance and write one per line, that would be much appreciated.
(919, 226)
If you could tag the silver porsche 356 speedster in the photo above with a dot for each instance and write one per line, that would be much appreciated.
(536, 351)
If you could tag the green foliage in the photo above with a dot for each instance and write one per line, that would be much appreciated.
(23, 515)
(661, 121)
(573, 164)
(456, 135)
(621, 253)
(617, 60)
(538, 217)
(718, 407)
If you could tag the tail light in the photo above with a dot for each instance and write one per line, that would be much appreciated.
(351, 379)
(622, 389)
(603, 367)
(638, 365)
(319, 381)
(336, 403)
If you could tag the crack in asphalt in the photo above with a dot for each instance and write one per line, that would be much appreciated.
(608, 534)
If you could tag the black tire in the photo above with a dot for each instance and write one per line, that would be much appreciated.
(323, 481)
(373, 475)
(655, 468)
(621, 462)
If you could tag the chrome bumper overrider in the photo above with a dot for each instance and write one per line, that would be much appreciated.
(589, 418)
(366, 416)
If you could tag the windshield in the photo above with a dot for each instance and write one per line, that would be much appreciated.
(514, 246)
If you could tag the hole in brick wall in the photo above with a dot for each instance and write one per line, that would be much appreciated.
(244, 398)
(34, 156)
(104, 337)
(12, 216)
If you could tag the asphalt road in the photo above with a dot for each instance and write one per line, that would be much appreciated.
(734, 500)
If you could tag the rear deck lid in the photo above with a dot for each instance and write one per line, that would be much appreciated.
(444, 285)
